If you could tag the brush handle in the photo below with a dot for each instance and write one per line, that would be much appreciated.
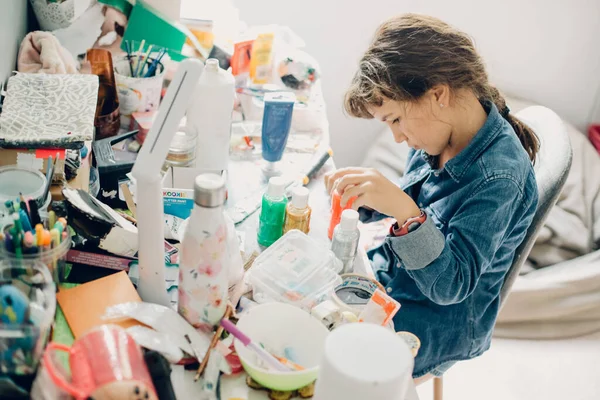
(262, 353)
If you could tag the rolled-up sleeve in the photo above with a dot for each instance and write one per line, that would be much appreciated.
(447, 268)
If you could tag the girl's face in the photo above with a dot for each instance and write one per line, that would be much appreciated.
(419, 124)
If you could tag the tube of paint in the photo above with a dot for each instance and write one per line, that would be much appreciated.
(277, 120)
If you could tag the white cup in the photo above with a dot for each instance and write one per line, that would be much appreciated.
(364, 361)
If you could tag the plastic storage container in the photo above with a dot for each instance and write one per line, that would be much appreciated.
(296, 270)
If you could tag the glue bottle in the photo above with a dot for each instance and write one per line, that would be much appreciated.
(345, 240)
(272, 214)
(297, 213)
(209, 116)
(205, 256)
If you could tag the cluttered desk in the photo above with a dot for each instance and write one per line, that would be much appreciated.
(166, 230)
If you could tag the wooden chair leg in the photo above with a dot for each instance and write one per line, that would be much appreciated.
(438, 388)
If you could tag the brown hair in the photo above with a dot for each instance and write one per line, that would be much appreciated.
(412, 53)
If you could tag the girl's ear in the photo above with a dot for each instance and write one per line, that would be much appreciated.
(440, 95)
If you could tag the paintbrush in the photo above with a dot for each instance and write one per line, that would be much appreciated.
(152, 68)
(140, 57)
(128, 49)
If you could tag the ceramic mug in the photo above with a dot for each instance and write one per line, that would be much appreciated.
(106, 363)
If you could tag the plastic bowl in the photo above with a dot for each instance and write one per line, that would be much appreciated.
(279, 326)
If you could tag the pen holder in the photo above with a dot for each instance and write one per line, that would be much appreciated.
(137, 93)
(28, 300)
(55, 260)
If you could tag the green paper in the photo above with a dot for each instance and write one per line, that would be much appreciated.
(62, 333)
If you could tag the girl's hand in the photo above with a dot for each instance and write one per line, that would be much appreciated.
(372, 190)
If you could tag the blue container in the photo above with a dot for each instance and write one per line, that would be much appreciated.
(277, 120)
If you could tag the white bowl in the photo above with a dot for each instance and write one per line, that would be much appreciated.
(278, 326)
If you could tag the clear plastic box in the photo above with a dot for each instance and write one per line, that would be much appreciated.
(296, 270)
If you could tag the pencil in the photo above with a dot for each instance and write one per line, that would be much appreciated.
(128, 48)
(139, 56)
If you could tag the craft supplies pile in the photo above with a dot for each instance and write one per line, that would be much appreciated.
(165, 232)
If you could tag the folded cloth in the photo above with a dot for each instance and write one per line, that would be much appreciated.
(42, 52)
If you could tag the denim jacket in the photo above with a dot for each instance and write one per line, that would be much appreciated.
(447, 274)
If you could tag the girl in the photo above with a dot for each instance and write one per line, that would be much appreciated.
(468, 194)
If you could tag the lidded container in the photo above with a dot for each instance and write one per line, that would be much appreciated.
(296, 270)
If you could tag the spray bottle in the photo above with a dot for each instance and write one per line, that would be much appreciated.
(209, 116)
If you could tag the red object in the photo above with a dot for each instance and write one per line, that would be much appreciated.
(240, 60)
(45, 153)
(234, 361)
(396, 230)
(336, 211)
(106, 361)
(594, 135)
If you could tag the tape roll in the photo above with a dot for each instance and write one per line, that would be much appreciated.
(354, 292)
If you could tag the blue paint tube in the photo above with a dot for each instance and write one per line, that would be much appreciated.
(277, 120)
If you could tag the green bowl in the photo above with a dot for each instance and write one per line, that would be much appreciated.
(278, 326)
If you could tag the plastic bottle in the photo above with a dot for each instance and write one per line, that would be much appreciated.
(209, 115)
(297, 214)
(272, 215)
(345, 240)
(205, 256)
(336, 211)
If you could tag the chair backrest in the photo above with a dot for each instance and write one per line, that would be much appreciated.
(552, 166)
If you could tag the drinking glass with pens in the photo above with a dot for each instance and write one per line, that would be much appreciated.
(31, 240)
(139, 78)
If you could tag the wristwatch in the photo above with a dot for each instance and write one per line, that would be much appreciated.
(410, 225)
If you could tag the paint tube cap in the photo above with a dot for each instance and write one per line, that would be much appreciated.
(349, 220)
(276, 187)
(209, 190)
(300, 197)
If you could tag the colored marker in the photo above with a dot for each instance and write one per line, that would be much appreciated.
(55, 237)
(63, 221)
(46, 239)
(29, 243)
(39, 229)
(8, 242)
(18, 226)
(59, 227)
(24, 220)
(51, 218)
(16, 242)
(9, 206)
(34, 212)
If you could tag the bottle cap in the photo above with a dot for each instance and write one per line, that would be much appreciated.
(212, 64)
(300, 197)
(349, 220)
(276, 187)
(209, 190)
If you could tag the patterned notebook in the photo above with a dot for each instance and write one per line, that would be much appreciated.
(42, 110)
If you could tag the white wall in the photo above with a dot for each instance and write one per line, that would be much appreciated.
(543, 50)
(13, 27)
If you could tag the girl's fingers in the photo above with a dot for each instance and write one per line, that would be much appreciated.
(359, 202)
(332, 177)
(354, 191)
(342, 184)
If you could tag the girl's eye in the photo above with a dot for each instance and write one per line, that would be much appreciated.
(395, 121)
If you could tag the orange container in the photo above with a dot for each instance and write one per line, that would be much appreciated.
(336, 211)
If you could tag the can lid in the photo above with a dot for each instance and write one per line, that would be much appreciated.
(276, 187)
(349, 220)
(209, 190)
(300, 197)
